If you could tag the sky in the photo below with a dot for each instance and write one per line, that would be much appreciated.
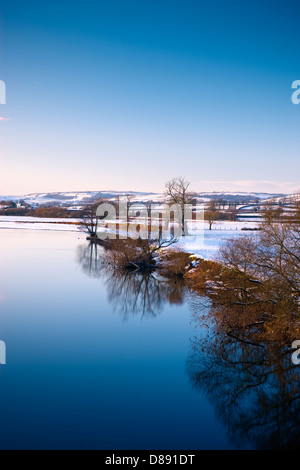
(126, 94)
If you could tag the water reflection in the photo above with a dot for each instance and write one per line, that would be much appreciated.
(89, 258)
(255, 390)
(131, 293)
(141, 294)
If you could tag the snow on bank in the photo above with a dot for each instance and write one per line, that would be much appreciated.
(205, 244)
(38, 223)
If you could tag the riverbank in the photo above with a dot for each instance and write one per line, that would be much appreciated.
(205, 245)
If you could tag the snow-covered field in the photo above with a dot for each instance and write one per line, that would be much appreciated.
(38, 223)
(205, 244)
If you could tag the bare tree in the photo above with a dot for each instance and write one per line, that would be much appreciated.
(177, 192)
(89, 222)
(211, 213)
(259, 279)
(137, 255)
(271, 211)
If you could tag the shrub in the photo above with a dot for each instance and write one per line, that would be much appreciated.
(175, 262)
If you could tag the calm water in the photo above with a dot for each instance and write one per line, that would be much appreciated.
(101, 361)
(85, 369)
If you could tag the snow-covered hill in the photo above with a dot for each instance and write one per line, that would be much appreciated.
(81, 198)
(72, 199)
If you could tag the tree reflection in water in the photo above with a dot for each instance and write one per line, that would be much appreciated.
(254, 389)
(89, 258)
(130, 293)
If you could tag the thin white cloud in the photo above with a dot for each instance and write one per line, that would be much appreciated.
(4, 118)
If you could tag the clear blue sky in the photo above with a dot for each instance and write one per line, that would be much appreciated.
(124, 94)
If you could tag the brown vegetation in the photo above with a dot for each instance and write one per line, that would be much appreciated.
(174, 263)
(49, 212)
(255, 289)
(134, 254)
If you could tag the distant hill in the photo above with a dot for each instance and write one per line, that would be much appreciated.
(79, 199)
